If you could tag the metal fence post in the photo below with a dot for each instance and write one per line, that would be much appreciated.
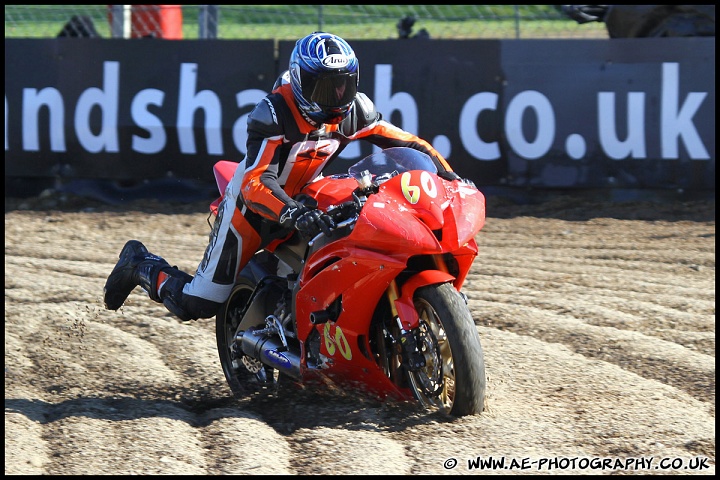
(208, 21)
(121, 21)
(320, 18)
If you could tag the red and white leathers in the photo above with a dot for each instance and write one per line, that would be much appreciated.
(285, 151)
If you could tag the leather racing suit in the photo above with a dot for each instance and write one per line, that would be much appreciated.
(285, 151)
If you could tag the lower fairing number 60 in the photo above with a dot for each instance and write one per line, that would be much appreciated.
(338, 343)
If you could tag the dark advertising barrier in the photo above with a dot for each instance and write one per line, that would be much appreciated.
(631, 113)
(129, 109)
(620, 113)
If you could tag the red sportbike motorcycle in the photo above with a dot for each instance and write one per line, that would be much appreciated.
(375, 307)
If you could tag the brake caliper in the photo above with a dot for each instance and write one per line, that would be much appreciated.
(413, 358)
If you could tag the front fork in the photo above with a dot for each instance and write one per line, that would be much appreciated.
(412, 358)
(404, 312)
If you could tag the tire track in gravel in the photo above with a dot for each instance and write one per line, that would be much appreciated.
(607, 314)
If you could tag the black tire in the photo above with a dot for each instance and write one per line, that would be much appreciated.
(454, 385)
(239, 378)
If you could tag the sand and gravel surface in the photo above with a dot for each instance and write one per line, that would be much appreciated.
(597, 321)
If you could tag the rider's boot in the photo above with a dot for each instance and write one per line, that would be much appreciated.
(136, 266)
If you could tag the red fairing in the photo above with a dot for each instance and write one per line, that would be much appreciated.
(224, 171)
(414, 213)
(331, 191)
(415, 207)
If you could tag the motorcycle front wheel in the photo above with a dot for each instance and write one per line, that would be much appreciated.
(453, 378)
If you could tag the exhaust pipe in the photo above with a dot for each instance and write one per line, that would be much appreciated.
(271, 351)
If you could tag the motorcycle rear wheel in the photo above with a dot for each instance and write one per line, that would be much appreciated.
(241, 380)
(453, 380)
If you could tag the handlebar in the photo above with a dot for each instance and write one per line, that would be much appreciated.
(343, 214)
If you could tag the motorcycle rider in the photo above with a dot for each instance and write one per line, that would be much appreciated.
(313, 112)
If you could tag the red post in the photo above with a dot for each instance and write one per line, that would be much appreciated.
(158, 21)
(141, 21)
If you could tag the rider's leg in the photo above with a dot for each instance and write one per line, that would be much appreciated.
(136, 266)
(233, 240)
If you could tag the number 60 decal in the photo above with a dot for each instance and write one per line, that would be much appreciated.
(412, 192)
(338, 343)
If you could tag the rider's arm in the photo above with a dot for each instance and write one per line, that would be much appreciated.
(371, 127)
(260, 189)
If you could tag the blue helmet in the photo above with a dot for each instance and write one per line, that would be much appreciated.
(324, 74)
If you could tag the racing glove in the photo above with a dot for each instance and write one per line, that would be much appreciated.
(309, 222)
(450, 176)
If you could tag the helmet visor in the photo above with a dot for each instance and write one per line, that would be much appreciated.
(330, 91)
